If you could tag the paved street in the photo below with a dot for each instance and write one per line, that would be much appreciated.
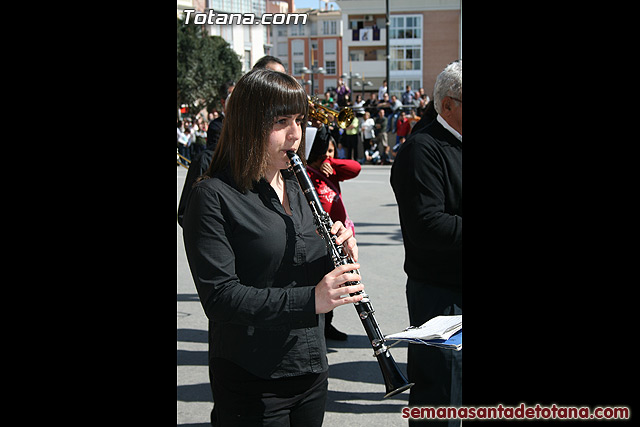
(356, 387)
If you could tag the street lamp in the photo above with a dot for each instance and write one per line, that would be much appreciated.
(352, 76)
(363, 85)
(314, 70)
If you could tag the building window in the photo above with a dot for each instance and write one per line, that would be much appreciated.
(330, 67)
(356, 55)
(297, 67)
(397, 86)
(406, 27)
(297, 29)
(405, 58)
(329, 47)
(355, 24)
(329, 28)
(282, 49)
(247, 60)
(297, 50)
(237, 6)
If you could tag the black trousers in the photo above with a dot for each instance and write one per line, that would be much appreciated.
(243, 399)
(350, 143)
(436, 372)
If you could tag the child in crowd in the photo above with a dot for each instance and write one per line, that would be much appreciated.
(326, 172)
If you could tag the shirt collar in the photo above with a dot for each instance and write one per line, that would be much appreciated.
(446, 125)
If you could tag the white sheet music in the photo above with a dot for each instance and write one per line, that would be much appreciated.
(440, 327)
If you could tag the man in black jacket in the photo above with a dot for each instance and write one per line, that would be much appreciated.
(427, 181)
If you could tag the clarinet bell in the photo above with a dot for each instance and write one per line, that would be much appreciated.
(394, 380)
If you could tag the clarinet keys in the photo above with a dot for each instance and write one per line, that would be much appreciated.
(394, 380)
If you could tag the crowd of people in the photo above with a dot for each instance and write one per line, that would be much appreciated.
(380, 126)
(381, 123)
(192, 136)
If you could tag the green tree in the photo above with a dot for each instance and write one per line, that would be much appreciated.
(204, 63)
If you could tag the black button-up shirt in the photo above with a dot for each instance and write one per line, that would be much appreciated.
(255, 268)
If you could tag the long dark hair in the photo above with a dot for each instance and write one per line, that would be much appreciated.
(260, 96)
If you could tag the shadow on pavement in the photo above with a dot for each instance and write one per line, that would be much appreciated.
(195, 393)
(347, 402)
(362, 371)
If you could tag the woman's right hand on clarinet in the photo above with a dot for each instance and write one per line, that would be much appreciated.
(329, 290)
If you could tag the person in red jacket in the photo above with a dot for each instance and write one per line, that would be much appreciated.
(403, 127)
(326, 172)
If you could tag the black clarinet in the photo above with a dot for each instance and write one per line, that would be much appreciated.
(395, 382)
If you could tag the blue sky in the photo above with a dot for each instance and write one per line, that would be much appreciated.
(313, 4)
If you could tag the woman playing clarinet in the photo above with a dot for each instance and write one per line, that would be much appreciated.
(262, 272)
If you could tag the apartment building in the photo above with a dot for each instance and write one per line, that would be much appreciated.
(424, 36)
(305, 49)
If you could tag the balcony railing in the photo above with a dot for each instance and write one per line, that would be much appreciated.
(372, 35)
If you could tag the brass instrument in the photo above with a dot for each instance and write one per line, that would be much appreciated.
(321, 113)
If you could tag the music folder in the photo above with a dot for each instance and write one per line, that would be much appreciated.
(441, 331)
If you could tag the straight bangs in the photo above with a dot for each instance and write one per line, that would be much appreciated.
(286, 98)
(259, 97)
